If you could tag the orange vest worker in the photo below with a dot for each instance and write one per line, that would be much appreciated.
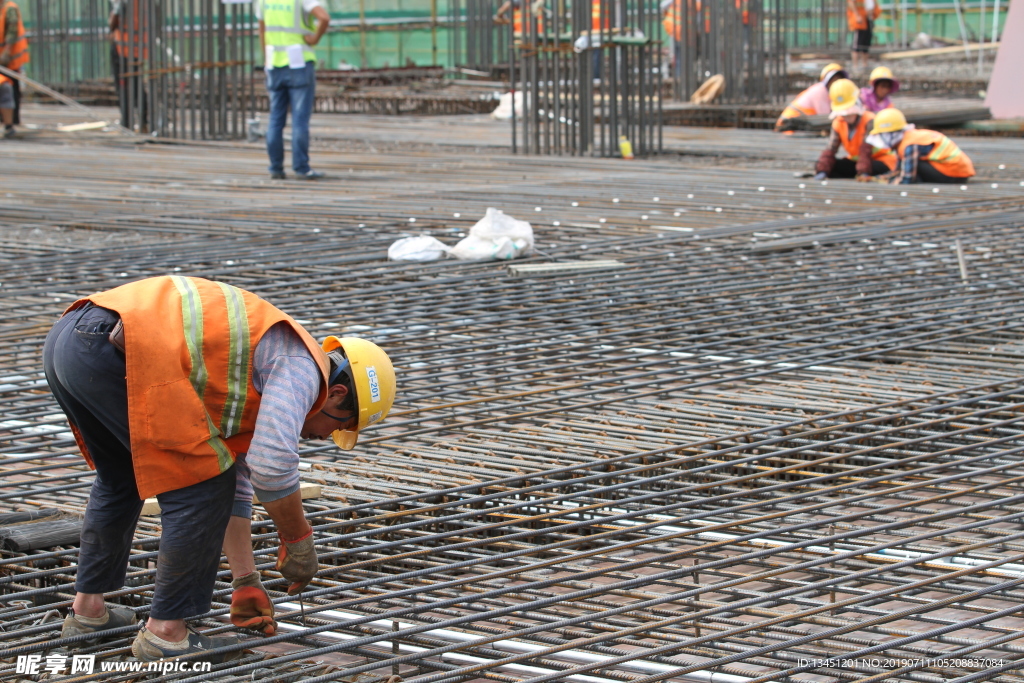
(19, 51)
(192, 405)
(853, 144)
(857, 14)
(945, 156)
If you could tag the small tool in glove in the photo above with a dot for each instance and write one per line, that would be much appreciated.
(296, 560)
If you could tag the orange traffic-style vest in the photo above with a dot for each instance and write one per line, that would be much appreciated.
(19, 52)
(124, 40)
(595, 16)
(853, 144)
(192, 406)
(945, 156)
(857, 14)
(517, 23)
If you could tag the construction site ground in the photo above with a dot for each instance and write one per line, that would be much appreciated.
(730, 425)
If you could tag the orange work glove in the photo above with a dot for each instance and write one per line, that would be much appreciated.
(296, 560)
(251, 606)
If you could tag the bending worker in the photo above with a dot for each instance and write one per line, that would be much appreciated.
(850, 125)
(185, 389)
(923, 155)
(13, 55)
(814, 100)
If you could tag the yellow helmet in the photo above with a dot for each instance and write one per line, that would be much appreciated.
(884, 73)
(843, 93)
(832, 70)
(373, 378)
(880, 72)
(889, 120)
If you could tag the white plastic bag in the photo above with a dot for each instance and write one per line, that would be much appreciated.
(418, 248)
(503, 112)
(495, 236)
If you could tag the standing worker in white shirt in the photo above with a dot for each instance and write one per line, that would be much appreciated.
(287, 37)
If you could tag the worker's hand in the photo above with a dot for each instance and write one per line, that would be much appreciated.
(864, 178)
(251, 606)
(820, 175)
(296, 560)
(5, 56)
(501, 20)
(311, 40)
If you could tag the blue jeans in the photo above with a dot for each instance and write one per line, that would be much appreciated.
(87, 377)
(295, 88)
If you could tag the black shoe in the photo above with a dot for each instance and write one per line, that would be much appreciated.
(310, 175)
(10, 133)
(278, 175)
(145, 649)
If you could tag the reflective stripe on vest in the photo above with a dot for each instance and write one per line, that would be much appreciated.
(945, 155)
(192, 405)
(19, 51)
(283, 27)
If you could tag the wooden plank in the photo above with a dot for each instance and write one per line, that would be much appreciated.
(934, 51)
(152, 506)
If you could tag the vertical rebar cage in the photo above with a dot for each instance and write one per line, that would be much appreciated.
(588, 74)
(181, 68)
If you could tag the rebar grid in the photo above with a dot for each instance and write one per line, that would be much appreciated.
(767, 440)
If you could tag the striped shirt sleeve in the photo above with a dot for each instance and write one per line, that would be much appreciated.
(288, 380)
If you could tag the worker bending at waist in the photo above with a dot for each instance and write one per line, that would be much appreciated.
(923, 155)
(850, 125)
(198, 392)
(814, 100)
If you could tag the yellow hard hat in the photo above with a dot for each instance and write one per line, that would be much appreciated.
(843, 94)
(373, 378)
(889, 120)
(880, 72)
(831, 70)
(884, 73)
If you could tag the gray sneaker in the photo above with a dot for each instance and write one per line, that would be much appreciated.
(310, 175)
(116, 618)
(145, 649)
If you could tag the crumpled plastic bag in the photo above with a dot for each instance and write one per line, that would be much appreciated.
(496, 236)
(503, 112)
(418, 248)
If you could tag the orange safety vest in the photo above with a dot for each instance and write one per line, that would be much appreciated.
(853, 145)
(517, 23)
(19, 51)
(672, 20)
(595, 17)
(124, 39)
(945, 156)
(192, 406)
(857, 15)
(742, 5)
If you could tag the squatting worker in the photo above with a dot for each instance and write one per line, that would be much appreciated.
(198, 392)
(814, 100)
(286, 35)
(850, 126)
(923, 155)
(13, 55)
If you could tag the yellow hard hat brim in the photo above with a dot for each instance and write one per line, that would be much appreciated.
(844, 107)
(345, 439)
